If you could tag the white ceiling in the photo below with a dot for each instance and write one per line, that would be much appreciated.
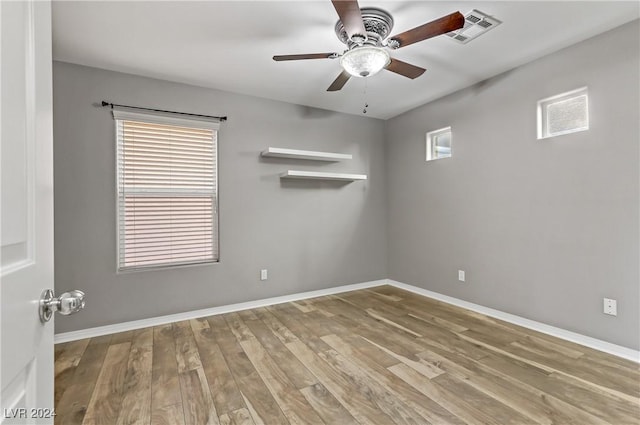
(228, 45)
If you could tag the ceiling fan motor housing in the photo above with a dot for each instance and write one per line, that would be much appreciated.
(378, 24)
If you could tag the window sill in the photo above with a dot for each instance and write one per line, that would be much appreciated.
(167, 267)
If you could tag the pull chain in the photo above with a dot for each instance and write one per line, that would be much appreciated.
(366, 104)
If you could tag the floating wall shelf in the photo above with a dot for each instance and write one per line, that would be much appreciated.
(315, 175)
(300, 154)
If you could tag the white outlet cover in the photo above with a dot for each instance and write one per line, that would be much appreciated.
(461, 275)
(263, 274)
(610, 306)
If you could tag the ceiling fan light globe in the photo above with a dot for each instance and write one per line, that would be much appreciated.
(365, 61)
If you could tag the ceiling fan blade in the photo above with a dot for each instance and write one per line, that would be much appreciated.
(349, 13)
(443, 25)
(405, 69)
(279, 58)
(339, 82)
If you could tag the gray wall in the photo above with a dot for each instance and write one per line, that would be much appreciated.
(543, 228)
(309, 235)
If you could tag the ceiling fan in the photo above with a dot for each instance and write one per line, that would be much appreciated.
(365, 33)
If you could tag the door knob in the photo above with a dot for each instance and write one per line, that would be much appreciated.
(68, 303)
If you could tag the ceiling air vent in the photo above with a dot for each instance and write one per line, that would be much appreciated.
(476, 23)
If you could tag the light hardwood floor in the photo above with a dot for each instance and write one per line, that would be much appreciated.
(378, 356)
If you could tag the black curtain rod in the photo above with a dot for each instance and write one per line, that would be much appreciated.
(105, 103)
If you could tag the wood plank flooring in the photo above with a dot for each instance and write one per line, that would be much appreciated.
(377, 356)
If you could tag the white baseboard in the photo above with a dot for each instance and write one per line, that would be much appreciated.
(162, 320)
(587, 341)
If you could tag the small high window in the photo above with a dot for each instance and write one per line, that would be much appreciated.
(439, 144)
(563, 114)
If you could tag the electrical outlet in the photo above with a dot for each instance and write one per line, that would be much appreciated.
(461, 275)
(263, 274)
(610, 307)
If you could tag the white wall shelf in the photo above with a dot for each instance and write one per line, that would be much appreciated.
(300, 154)
(315, 175)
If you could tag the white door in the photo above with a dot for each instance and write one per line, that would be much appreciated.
(26, 212)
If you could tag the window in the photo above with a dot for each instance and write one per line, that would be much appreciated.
(166, 190)
(439, 144)
(563, 114)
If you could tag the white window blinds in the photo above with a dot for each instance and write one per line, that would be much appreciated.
(167, 190)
